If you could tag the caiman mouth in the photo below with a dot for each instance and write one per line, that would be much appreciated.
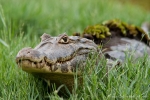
(23, 62)
(43, 64)
(39, 63)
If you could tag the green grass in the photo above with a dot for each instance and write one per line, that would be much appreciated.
(22, 22)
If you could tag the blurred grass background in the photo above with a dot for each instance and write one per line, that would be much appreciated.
(142, 3)
(56, 17)
(22, 22)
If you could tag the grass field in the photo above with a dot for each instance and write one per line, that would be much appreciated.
(22, 22)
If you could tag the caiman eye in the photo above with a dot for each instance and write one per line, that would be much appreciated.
(64, 40)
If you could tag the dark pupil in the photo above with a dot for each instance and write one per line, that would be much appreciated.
(65, 39)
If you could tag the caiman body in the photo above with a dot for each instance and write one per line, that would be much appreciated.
(119, 39)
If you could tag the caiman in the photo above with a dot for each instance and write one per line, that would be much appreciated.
(57, 59)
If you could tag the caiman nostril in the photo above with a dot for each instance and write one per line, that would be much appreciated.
(28, 52)
(35, 63)
(40, 61)
(19, 61)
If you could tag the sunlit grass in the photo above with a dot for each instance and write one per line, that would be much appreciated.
(23, 22)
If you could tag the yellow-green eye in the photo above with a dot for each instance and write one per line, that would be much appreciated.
(64, 40)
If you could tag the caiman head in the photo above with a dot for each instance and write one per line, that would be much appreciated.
(60, 54)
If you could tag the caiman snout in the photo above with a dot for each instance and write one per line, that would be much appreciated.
(29, 54)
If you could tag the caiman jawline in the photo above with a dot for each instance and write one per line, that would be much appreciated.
(25, 62)
(48, 61)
